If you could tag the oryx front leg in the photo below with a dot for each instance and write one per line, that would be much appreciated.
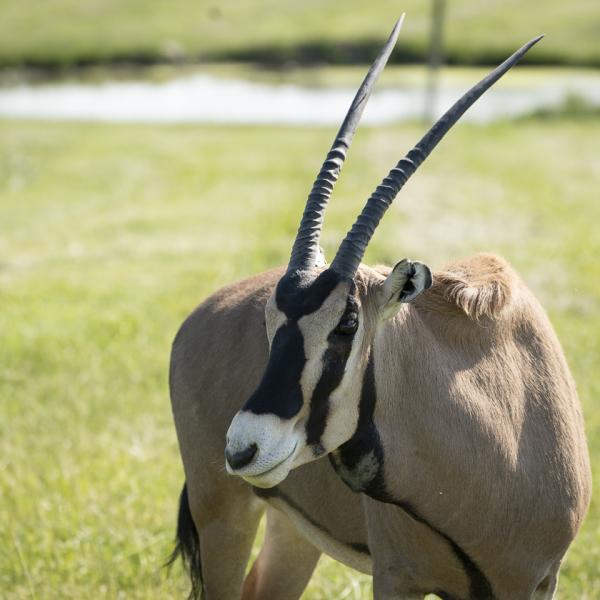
(398, 541)
(284, 565)
(547, 588)
(226, 524)
(389, 584)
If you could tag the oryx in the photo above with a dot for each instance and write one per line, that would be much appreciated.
(455, 407)
(444, 397)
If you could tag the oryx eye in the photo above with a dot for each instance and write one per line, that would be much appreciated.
(348, 324)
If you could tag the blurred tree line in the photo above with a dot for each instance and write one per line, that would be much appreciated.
(58, 33)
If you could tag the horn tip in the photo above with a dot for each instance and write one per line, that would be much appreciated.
(532, 43)
(398, 25)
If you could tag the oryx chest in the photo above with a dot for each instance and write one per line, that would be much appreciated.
(352, 554)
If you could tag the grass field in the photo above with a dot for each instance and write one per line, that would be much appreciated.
(63, 32)
(109, 235)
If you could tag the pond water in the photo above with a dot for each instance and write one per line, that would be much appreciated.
(202, 98)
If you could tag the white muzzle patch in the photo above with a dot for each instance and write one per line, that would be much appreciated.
(276, 446)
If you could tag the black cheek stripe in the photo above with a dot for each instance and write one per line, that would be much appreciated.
(334, 364)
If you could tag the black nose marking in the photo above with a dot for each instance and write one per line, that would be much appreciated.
(237, 460)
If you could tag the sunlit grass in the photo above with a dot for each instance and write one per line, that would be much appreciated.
(109, 235)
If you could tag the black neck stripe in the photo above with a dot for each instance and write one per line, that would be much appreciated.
(334, 365)
(366, 439)
(479, 586)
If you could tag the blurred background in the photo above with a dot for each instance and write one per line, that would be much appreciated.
(152, 151)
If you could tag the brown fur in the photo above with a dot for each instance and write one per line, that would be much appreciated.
(479, 419)
(479, 286)
(482, 431)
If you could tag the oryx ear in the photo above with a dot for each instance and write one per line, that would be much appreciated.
(406, 281)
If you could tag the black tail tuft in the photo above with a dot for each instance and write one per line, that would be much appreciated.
(188, 546)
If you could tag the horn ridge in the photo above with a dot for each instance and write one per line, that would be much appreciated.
(352, 248)
(306, 245)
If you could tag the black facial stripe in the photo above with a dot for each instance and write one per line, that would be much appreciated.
(334, 363)
(279, 392)
(275, 492)
(296, 297)
(366, 440)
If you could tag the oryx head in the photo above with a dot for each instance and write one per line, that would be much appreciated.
(320, 320)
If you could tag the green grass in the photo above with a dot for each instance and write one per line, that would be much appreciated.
(109, 235)
(63, 32)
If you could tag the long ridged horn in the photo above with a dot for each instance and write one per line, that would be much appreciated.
(352, 249)
(306, 245)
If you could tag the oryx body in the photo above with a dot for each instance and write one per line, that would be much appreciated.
(218, 358)
(445, 398)
(467, 435)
